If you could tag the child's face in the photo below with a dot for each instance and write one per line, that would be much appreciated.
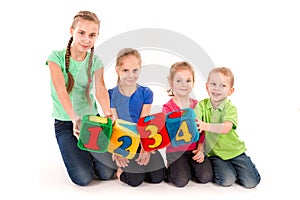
(84, 35)
(182, 83)
(129, 71)
(219, 87)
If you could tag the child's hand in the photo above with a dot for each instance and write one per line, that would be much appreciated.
(120, 161)
(144, 157)
(111, 116)
(198, 125)
(76, 126)
(199, 156)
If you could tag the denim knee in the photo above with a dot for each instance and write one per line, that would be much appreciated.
(107, 174)
(83, 179)
(225, 181)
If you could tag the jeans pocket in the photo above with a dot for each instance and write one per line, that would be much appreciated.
(58, 123)
(62, 127)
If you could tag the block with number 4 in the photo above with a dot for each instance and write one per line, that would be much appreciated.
(182, 127)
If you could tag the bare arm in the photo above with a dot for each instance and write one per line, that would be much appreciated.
(146, 110)
(144, 156)
(101, 93)
(222, 128)
(58, 81)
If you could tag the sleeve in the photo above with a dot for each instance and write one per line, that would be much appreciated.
(166, 108)
(231, 115)
(198, 111)
(110, 93)
(97, 63)
(148, 96)
(58, 58)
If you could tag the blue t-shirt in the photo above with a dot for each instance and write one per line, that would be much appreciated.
(130, 108)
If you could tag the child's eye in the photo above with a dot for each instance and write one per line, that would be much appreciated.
(125, 70)
(93, 35)
(212, 84)
(188, 81)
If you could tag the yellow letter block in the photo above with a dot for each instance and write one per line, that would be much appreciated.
(124, 139)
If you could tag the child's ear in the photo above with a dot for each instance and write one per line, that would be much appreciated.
(206, 85)
(231, 91)
(71, 30)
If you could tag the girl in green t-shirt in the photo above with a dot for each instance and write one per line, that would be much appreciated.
(73, 71)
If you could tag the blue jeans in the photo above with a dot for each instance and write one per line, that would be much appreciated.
(81, 166)
(239, 169)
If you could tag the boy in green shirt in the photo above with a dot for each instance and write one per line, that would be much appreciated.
(218, 118)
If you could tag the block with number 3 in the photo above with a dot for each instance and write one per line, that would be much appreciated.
(153, 131)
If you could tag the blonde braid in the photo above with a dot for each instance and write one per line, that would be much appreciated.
(67, 57)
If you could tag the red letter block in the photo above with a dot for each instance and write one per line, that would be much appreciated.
(153, 131)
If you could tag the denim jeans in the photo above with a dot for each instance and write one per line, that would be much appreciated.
(239, 169)
(81, 166)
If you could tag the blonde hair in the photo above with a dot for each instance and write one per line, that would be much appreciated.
(225, 71)
(82, 15)
(175, 68)
(123, 53)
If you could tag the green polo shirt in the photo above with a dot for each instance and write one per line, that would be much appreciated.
(226, 146)
(77, 95)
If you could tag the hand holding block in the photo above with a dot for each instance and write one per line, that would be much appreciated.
(95, 133)
(153, 131)
(125, 139)
(182, 127)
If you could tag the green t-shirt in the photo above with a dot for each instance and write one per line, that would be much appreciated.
(77, 95)
(226, 146)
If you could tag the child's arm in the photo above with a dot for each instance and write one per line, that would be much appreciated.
(144, 156)
(199, 153)
(222, 128)
(101, 93)
(58, 81)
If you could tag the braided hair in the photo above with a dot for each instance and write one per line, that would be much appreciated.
(85, 15)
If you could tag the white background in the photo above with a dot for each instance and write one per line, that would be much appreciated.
(258, 40)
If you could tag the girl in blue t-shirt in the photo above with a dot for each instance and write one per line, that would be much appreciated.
(130, 101)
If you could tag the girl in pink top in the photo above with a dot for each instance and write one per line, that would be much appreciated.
(185, 162)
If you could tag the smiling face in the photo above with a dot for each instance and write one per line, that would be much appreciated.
(219, 86)
(129, 70)
(182, 83)
(84, 34)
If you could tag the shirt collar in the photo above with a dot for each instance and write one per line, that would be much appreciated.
(220, 107)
